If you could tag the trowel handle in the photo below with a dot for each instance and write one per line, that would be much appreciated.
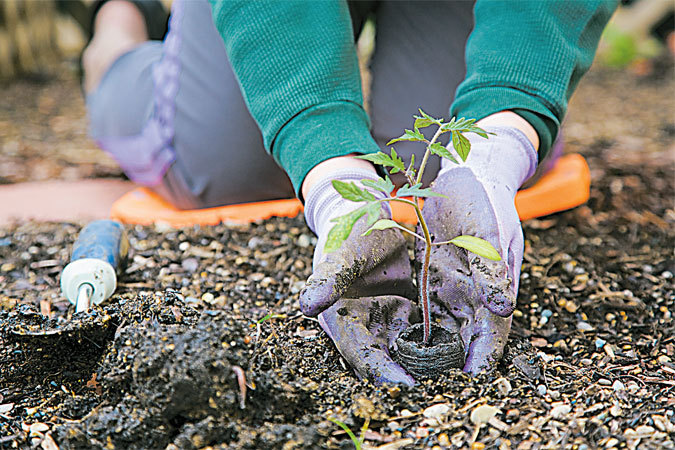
(104, 240)
(98, 253)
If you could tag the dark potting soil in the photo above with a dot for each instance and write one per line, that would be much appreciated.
(444, 351)
(203, 344)
(187, 355)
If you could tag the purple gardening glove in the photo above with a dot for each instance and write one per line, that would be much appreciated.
(471, 294)
(361, 290)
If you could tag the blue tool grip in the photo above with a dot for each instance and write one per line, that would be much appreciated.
(104, 240)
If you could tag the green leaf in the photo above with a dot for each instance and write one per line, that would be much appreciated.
(352, 192)
(374, 210)
(385, 160)
(382, 224)
(464, 126)
(426, 116)
(421, 122)
(425, 120)
(440, 150)
(417, 191)
(410, 135)
(476, 245)
(381, 184)
(461, 144)
(343, 228)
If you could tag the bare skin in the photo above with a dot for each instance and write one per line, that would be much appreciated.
(119, 27)
(502, 118)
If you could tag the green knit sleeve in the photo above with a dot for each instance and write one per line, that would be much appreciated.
(296, 64)
(528, 56)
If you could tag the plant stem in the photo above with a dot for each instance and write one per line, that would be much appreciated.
(424, 288)
(426, 156)
(424, 291)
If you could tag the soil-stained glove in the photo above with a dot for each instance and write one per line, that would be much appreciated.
(362, 288)
(364, 329)
(471, 294)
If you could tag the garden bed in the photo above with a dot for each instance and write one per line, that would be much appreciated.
(204, 345)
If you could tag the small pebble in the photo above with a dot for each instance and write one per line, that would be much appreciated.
(254, 242)
(443, 440)
(560, 411)
(190, 264)
(39, 427)
(604, 382)
(421, 432)
(541, 389)
(645, 430)
(615, 410)
(571, 307)
(599, 343)
(436, 411)
(584, 326)
(503, 385)
(304, 240)
(7, 407)
(667, 275)
(546, 313)
(546, 358)
(208, 297)
(483, 413)
(618, 386)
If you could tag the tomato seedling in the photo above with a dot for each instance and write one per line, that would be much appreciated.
(461, 147)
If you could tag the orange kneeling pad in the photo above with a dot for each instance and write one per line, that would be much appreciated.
(565, 186)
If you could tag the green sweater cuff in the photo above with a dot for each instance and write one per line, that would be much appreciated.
(481, 102)
(319, 133)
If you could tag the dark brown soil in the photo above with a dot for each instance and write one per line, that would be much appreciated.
(203, 344)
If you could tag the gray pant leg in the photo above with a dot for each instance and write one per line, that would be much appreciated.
(184, 89)
(418, 62)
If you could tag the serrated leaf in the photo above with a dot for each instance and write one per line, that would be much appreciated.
(381, 184)
(461, 145)
(410, 135)
(428, 117)
(417, 191)
(382, 224)
(342, 229)
(350, 191)
(396, 162)
(476, 245)
(379, 158)
(464, 126)
(421, 122)
(382, 159)
(374, 210)
(440, 150)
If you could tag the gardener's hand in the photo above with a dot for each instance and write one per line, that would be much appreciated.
(363, 267)
(469, 293)
(364, 329)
